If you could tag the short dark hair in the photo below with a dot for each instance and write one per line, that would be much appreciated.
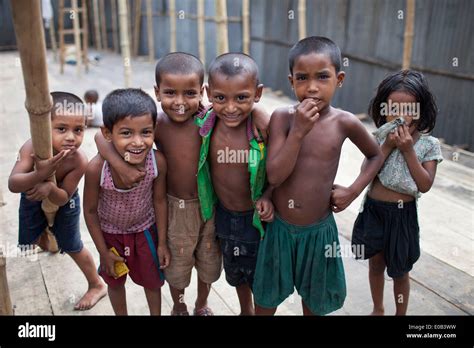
(62, 98)
(231, 64)
(91, 94)
(414, 83)
(316, 44)
(125, 102)
(179, 63)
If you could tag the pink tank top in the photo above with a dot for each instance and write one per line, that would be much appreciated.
(127, 211)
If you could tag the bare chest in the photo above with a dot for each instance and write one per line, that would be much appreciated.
(180, 145)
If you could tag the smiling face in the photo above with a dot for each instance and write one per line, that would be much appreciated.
(314, 77)
(67, 132)
(401, 98)
(132, 137)
(180, 95)
(232, 97)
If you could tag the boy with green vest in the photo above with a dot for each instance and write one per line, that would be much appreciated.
(231, 170)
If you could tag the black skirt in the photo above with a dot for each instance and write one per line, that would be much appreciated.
(389, 227)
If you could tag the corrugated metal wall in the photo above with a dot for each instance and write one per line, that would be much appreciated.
(369, 33)
(186, 28)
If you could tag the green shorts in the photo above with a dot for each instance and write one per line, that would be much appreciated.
(297, 256)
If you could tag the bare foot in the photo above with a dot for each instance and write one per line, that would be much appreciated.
(248, 312)
(378, 312)
(91, 297)
(180, 308)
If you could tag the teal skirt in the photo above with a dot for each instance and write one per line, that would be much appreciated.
(303, 257)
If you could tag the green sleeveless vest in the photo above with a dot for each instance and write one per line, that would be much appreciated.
(256, 168)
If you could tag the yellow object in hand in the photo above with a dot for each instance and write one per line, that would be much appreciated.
(119, 267)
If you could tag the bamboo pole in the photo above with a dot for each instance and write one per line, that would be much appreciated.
(245, 27)
(6, 307)
(221, 20)
(137, 27)
(62, 47)
(408, 35)
(129, 22)
(98, 39)
(124, 41)
(301, 19)
(85, 36)
(77, 35)
(149, 25)
(31, 46)
(113, 9)
(201, 31)
(103, 25)
(172, 15)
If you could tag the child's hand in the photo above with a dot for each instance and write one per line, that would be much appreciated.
(164, 256)
(46, 168)
(306, 115)
(341, 197)
(132, 176)
(403, 138)
(390, 140)
(40, 191)
(256, 133)
(107, 263)
(265, 209)
(260, 119)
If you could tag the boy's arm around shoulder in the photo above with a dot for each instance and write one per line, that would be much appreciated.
(128, 174)
(342, 197)
(160, 204)
(261, 122)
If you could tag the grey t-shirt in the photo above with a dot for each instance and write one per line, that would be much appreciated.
(395, 174)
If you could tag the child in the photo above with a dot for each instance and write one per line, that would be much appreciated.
(123, 218)
(387, 226)
(236, 166)
(94, 108)
(191, 235)
(303, 155)
(30, 176)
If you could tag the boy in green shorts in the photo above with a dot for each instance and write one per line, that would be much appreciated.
(303, 155)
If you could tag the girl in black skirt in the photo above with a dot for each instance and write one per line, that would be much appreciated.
(386, 229)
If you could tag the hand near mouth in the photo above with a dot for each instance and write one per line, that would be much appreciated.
(307, 113)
